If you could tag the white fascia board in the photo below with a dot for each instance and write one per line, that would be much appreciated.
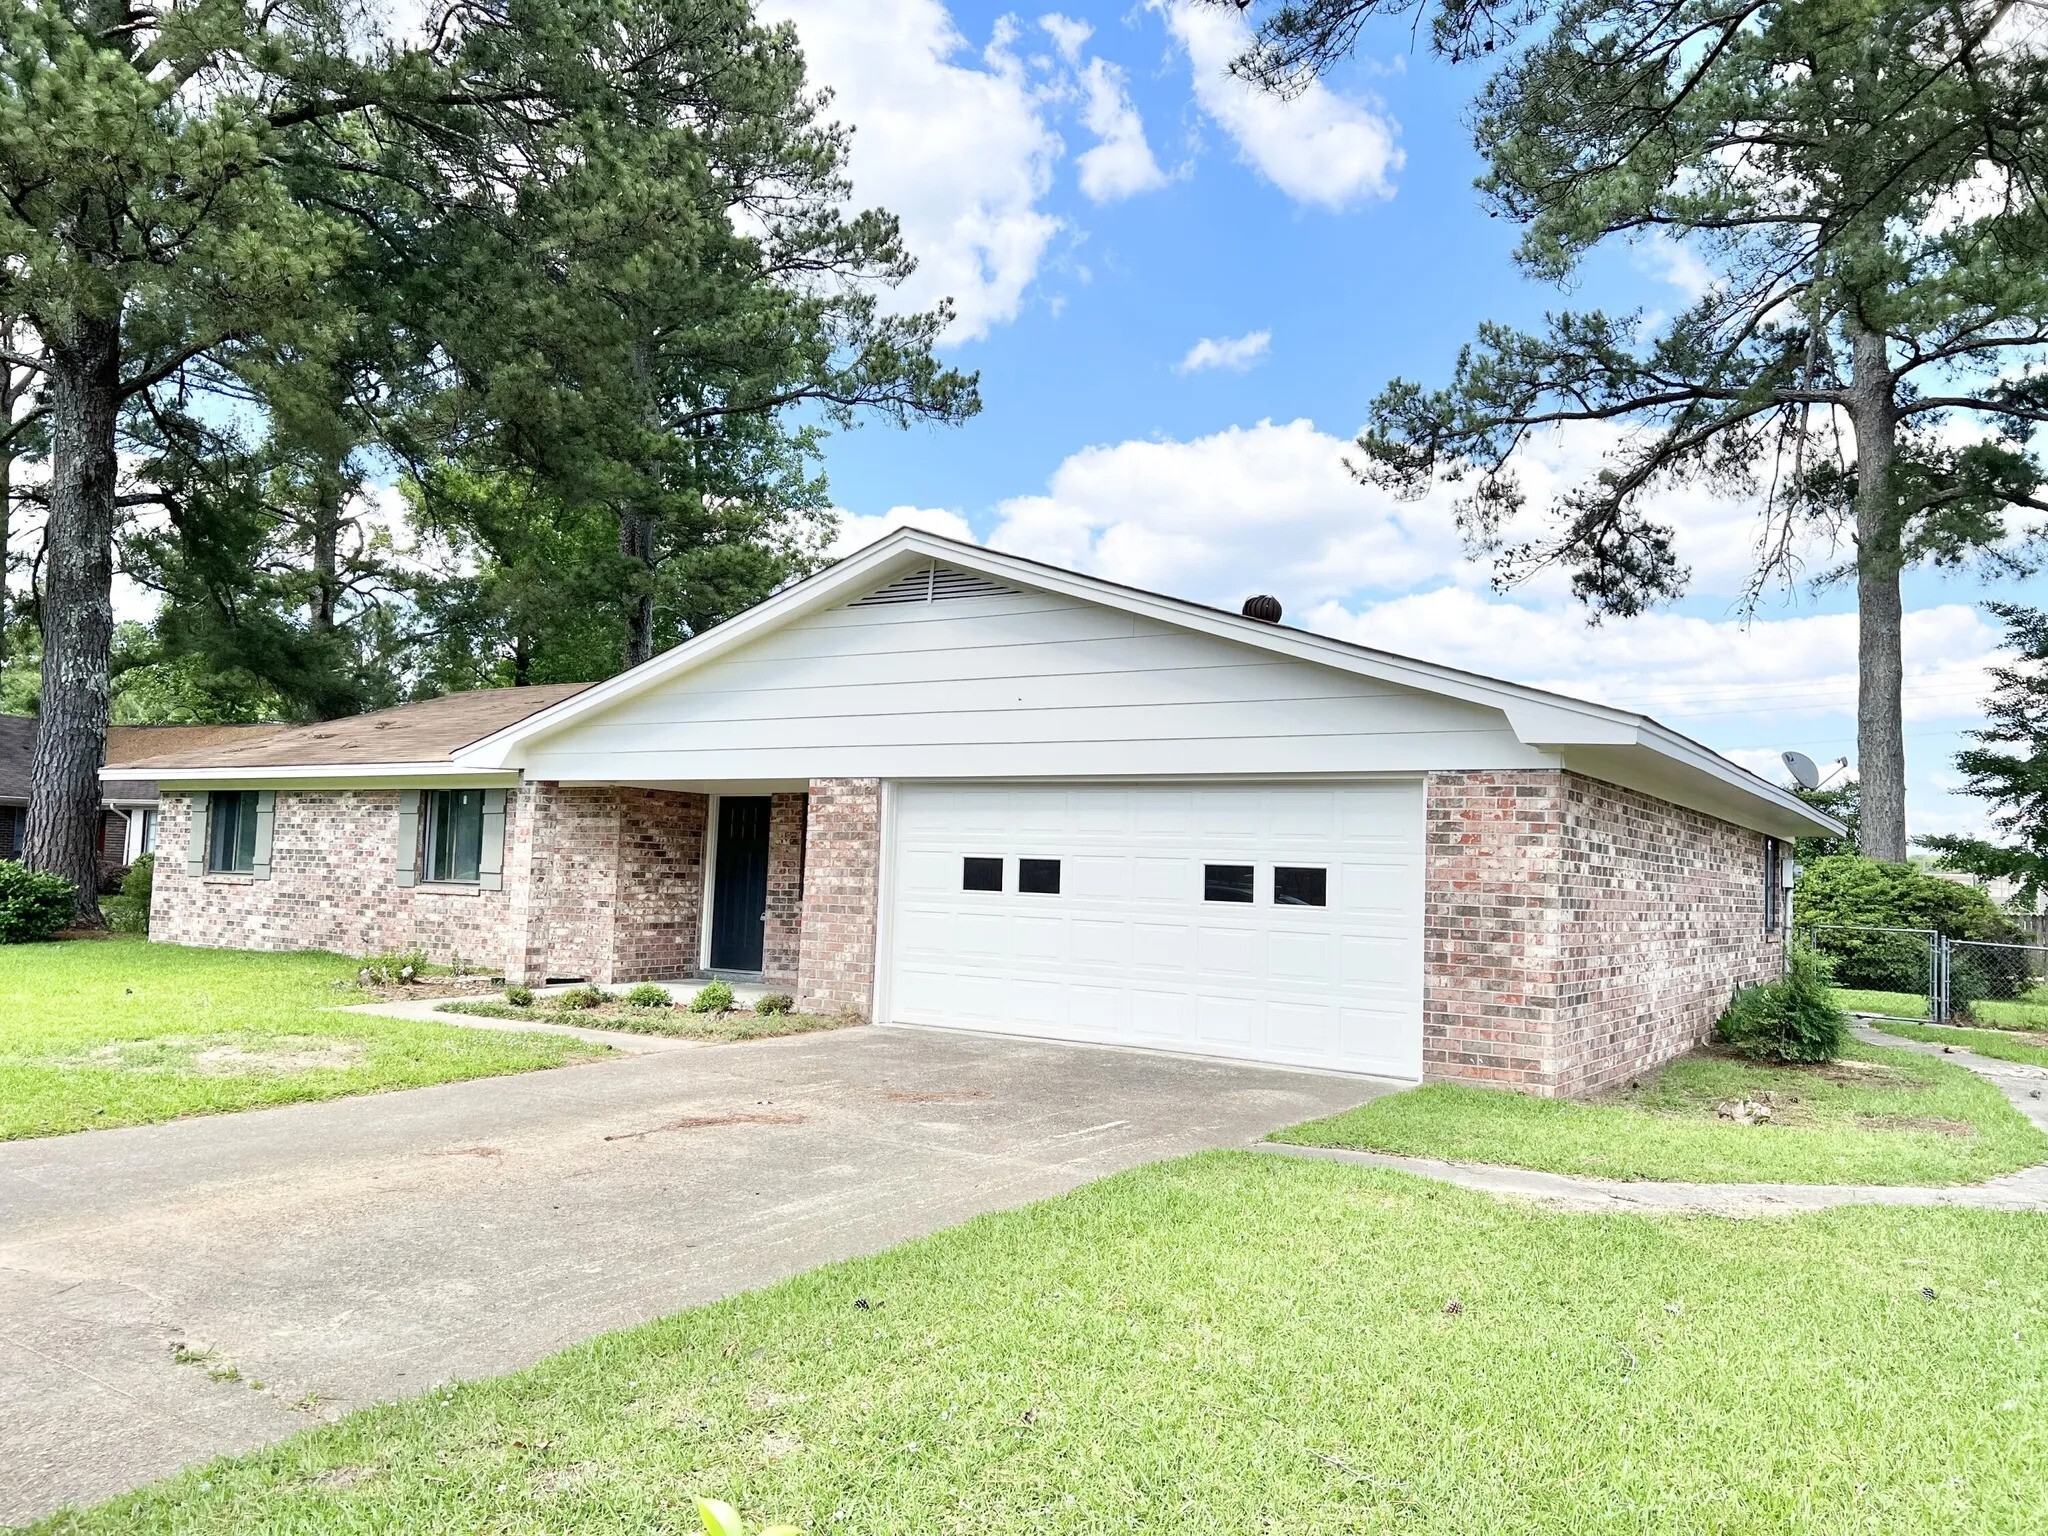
(1547, 721)
(323, 776)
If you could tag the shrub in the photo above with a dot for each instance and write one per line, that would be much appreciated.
(774, 1003)
(583, 997)
(33, 905)
(1794, 1018)
(400, 968)
(129, 911)
(648, 995)
(713, 997)
(1861, 892)
(519, 997)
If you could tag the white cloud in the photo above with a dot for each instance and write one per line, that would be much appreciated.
(1236, 353)
(960, 152)
(857, 533)
(1068, 35)
(1121, 164)
(1320, 147)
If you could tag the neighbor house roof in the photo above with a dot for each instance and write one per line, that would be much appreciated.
(1616, 745)
(408, 737)
(17, 754)
(126, 745)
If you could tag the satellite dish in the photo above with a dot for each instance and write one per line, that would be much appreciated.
(1805, 773)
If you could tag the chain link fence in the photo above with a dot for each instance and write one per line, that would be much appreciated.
(1916, 974)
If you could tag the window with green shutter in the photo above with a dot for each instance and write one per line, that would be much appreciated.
(231, 822)
(454, 829)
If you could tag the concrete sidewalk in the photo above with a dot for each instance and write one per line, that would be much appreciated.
(364, 1249)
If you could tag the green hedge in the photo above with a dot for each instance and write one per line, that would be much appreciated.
(1859, 892)
(33, 905)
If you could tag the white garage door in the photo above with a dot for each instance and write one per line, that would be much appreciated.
(1268, 922)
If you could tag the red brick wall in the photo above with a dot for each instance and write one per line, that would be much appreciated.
(333, 885)
(1664, 918)
(1493, 842)
(613, 884)
(656, 931)
(1577, 934)
(601, 883)
(782, 945)
(843, 857)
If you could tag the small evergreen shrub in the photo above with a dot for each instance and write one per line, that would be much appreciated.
(648, 995)
(519, 997)
(33, 905)
(773, 1004)
(583, 997)
(1794, 1018)
(129, 911)
(713, 997)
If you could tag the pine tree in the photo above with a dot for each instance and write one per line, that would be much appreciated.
(2009, 767)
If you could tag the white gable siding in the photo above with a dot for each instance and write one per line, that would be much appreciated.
(1024, 685)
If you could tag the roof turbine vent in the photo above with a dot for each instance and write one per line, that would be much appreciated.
(1263, 608)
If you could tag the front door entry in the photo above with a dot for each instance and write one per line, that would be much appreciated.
(739, 883)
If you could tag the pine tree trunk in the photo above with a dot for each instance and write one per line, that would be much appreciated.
(6, 500)
(327, 516)
(1880, 662)
(78, 609)
(636, 543)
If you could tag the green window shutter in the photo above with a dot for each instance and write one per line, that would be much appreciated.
(408, 837)
(199, 836)
(266, 818)
(491, 862)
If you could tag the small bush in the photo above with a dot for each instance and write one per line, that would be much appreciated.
(519, 997)
(648, 995)
(1794, 1018)
(583, 997)
(33, 905)
(129, 911)
(713, 997)
(774, 1003)
(401, 968)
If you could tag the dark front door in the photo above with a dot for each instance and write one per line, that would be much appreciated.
(739, 884)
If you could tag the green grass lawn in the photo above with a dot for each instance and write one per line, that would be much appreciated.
(1876, 1117)
(1233, 1344)
(2029, 1012)
(1910, 1005)
(97, 1033)
(2001, 1044)
(740, 1024)
(2022, 1013)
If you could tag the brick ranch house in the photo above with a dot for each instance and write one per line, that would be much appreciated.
(942, 786)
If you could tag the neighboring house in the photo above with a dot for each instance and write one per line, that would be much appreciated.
(128, 807)
(939, 785)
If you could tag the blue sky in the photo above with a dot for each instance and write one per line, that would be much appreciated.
(1181, 299)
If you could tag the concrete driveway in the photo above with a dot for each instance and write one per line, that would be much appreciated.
(351, 1252)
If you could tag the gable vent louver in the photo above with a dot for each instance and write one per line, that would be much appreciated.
(933, 584)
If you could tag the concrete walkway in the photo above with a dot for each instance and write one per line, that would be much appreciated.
(317, 1257)
(2026, 1088)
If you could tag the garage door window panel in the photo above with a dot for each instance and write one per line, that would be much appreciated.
(1038, 877)
(1227, 883)
(978, 874)
(1300, 886)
